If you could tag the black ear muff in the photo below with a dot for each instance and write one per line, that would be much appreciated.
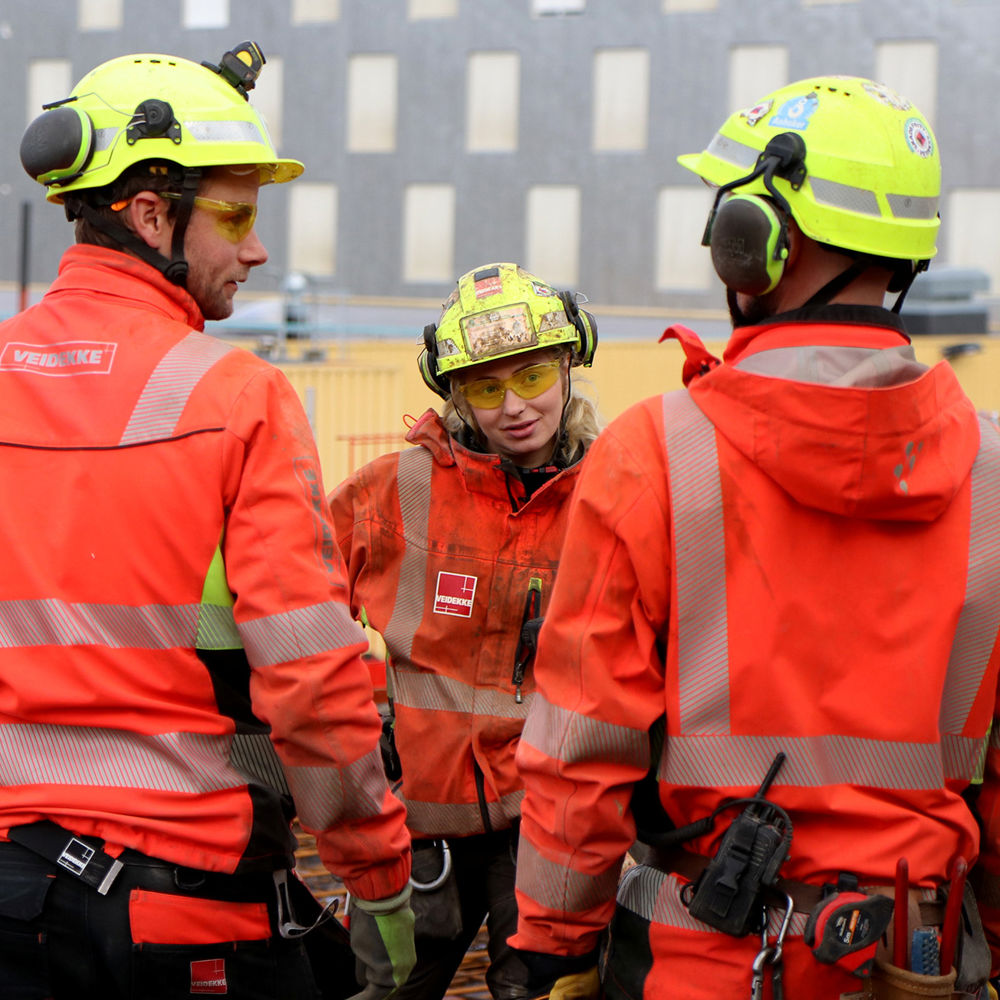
(427, 363)
(749, 244)
(57, 145)
(586, 328)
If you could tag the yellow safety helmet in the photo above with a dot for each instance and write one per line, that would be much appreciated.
(500, 310)
(869, 179)
(153, 107)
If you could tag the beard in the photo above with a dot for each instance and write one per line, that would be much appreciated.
(757, 310)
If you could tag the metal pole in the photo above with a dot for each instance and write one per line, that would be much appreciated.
(25, 251)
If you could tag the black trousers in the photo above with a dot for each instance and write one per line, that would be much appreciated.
(484, 868)
(60, 939)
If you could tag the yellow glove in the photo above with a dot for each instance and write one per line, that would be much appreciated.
(584, 985)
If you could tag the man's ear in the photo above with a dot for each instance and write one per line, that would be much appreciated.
(147, 218)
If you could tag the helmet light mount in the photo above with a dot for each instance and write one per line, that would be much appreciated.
(153, 119)
(240, 67)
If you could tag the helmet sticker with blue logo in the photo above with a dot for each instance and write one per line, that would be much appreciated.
(754, 114)
(795, 112)
(918, 137)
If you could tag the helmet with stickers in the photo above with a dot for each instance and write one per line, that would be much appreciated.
(497, 311)
(870, 177)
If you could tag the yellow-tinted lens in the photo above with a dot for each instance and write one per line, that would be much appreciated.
(235, 218)
(488, 393)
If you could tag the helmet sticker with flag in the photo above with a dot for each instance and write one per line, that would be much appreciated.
(918, 137)
(795, 112)
(887, 96)
(754, 114)
(487, 283)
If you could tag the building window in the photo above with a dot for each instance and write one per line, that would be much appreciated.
(682, 264)
(429, 233)
(621, 99)
(553, 234)
(755, 70)
(315, 11)
(371, 104)
(205, 13)
(268, 97)
(491, 101)
(676, 6)
(973, 216)
(910, 69)
(546, 8)
(312, 228)
(417, 10)
(99, 15)
(48, 80)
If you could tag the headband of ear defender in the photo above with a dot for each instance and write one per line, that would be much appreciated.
(427, 362)
(748, 233)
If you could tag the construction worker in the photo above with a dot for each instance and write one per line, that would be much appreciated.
(782, 579)
(451, 548)
(179, 671)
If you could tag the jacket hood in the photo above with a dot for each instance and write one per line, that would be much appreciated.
(842, 421)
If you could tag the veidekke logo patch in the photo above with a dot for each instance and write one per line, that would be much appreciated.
(209, 976)
(455, 594)
(71, 357)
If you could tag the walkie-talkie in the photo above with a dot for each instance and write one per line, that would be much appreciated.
(728, 895)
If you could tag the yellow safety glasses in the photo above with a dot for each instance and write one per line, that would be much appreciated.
(235, 218)
(488, 393)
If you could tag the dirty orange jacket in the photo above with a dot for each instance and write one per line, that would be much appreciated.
(177, 659)
(441, 550)
(797, 553)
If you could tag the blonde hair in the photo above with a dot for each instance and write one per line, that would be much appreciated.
(581, 420)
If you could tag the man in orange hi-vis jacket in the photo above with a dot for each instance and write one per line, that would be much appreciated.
(789, 569)
(179, 671)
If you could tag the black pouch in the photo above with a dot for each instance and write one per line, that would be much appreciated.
(435, 901)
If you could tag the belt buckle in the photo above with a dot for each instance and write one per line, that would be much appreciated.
(75, 863)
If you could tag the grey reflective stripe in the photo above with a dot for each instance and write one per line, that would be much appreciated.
(169, 387)
(558, 887)
(325, 795)
(413, 487)
(814, 761)
(907, 206)
(189, 763)
(216, 628)
(979, 622)
(292, 635)
(52, 622)
(699, 566)
(732, 151)
(569, 736)
(846, 196)
(228, 131)
(435, 693)
(460, 819)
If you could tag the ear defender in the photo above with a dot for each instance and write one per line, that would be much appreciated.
(57, 145)
(427, 363)
(749, 244)
(586, 327)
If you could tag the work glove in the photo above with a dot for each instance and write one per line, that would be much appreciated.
(382, 941)
(584, 985)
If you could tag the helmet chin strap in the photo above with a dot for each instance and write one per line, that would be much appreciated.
(175, 269)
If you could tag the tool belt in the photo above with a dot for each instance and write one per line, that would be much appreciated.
(804, 895)
(85, 859)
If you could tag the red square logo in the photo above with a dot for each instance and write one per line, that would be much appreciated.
(455, 594)
(209, 976)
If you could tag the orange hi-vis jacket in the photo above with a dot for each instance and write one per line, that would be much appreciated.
(178, 663)
(441, 551)
(800, 552)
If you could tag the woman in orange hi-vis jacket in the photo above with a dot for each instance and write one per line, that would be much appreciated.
(452, 548)
(789, 568)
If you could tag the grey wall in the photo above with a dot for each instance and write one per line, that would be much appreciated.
(689, 87)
